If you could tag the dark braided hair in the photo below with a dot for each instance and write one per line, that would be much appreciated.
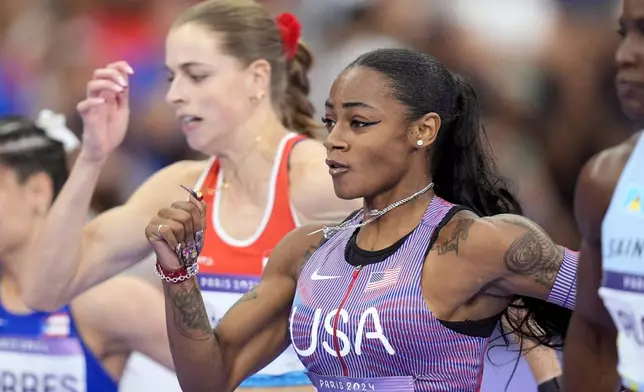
(27, 149)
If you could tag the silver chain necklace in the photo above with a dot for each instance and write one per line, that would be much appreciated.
(372, 215)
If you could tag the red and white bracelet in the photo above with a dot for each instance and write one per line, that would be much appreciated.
(178, 275)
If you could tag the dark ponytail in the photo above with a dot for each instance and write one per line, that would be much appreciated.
(464, 173)
(462, 167)
(26, 149)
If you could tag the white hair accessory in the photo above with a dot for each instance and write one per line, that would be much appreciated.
(55, 127)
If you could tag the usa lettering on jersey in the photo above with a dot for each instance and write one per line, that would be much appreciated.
(371, 314)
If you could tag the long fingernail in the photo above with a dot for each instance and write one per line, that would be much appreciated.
(196, 194)
(122, 81)
(129, 70)
(199, 240)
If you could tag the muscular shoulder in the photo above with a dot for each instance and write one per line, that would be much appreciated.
(467, 236)
(164, 185)
(482, 239)
(595, 187)
(452, 235)
(185, 172)
(294, 250)
(306, 151)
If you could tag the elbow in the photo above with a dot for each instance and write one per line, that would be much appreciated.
(192, 386)
(564, 289)
(204, 371)
(201, 384)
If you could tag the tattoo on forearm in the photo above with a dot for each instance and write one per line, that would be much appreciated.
(190, 317)
(533, 254)
(460, 233)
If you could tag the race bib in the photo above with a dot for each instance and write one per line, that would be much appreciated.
(31, 365)
(380, 384)
(627, 312)
(220, 293)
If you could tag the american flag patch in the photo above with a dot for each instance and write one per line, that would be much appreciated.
(381, 279)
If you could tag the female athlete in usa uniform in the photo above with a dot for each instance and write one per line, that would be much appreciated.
(404, 294)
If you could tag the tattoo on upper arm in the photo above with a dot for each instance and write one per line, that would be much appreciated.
(190, 317)
(533, 254)
(249, 296)
(308, 253)
(460, 233)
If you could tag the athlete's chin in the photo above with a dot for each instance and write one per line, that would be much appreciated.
(632, 107)
(201, 142)
(634, 112)
(346, 191)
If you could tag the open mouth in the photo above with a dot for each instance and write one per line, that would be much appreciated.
(187, 120)
(336, 168)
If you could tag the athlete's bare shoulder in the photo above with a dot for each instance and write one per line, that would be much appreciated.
(163, 187)
(186, 172)
(596, 184)
(297, 247)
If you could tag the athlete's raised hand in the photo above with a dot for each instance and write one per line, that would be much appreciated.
(176, 232)
(105, 110)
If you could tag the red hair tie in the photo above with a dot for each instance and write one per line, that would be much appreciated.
(290, 29)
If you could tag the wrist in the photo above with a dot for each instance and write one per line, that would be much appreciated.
(177, 275)
(91, 159)
(552, 385)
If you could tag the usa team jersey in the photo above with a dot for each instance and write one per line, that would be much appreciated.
(368, 327)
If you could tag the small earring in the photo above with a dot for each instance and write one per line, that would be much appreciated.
(419, 142)
(257, 97)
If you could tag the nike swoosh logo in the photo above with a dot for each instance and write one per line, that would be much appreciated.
(315, 276)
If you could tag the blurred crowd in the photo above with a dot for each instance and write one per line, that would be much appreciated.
(543, 69)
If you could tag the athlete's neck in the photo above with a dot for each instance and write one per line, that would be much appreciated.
(9, 284)
(398, 222)
(247, 159)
